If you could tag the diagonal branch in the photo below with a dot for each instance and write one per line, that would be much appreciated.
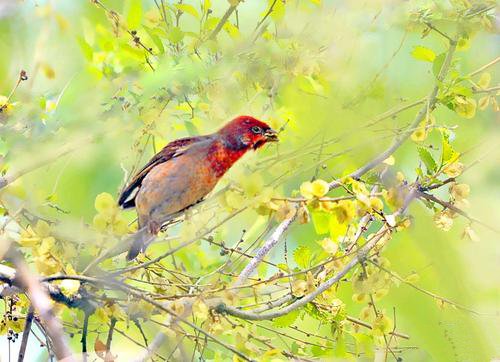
(360, 256)
(223, 21)
(264, 250)
(449, 205)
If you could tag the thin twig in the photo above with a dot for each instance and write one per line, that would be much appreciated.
(449, 205)
(85, 329)
(26, 334)
(110, 336)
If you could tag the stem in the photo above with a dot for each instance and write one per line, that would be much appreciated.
(26, 334)
(84, 335)
(110, 335)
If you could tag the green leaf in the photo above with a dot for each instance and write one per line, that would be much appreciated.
(321, 222)
(278, 10)
(231, 30)
(427, 159)
(133, 13)
(310, 85)
(175, 35)
(284, 267)
(341, 348)
(448, 154)
(302, 256)
(423, 53)
(438, 63)
(188, 9)
(262, 270)
(207, 5)
(336, 229)
(86, 48)
(364, 344)
(286, 320)
(155, 38)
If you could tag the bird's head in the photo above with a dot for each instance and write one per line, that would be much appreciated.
(246, 132)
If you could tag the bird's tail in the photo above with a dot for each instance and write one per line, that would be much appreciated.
(140, 241)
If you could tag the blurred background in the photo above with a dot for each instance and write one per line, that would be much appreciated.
(322, 71)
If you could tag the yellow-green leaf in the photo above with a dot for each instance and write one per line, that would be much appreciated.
(302, 256)
(188, 9)
(423, 53)
(133, 13)
(484, 80)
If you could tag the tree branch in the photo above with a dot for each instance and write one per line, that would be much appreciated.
(42, 304)
(222, 21)
(361, 255)
(264, 250)
(449, 205)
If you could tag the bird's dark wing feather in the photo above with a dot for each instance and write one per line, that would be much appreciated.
(170, 151)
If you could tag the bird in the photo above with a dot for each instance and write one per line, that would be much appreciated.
(184, 172)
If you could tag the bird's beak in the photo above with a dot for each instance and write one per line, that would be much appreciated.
(271, 135)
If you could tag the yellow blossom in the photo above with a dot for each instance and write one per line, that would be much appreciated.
(303, 215)
(104, 203)
(319, 188)
(376, 203)
(382, 325)
(390, 160)
(5, 106)
(329, 246)
(306, 190)
(200, 310)
(470, 234)
(358, 187)
(454, 169)
(419, 134)
(459, 191)
(299, 288)
(285, 211)
(443, 220)
(345, 211)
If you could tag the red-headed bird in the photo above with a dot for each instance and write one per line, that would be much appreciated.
(184, 172)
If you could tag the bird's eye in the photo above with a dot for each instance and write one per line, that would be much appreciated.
(256, 129)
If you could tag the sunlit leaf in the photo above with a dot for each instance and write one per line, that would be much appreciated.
(133, 13)
(188, 9)
(427, 159)
(302, 256)
(423, 53)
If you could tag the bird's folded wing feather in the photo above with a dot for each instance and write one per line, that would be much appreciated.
(170, 151)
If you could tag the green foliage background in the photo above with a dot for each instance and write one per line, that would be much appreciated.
(320, 69)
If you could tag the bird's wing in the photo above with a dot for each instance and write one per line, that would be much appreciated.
(170, 151)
